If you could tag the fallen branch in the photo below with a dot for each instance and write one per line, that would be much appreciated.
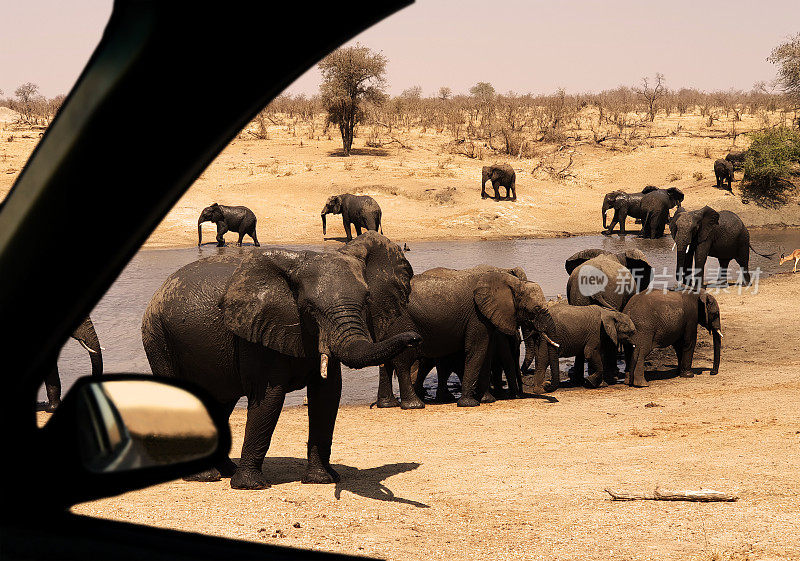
(703, 496)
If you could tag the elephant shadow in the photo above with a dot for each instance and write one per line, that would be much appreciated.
(668, 372)
(367, 483)
(360, 152)
(342, 239)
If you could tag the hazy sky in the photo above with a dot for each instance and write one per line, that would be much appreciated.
(519, 45)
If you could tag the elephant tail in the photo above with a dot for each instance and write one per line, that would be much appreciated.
(768, 255)
(156, 346)
(600, 299)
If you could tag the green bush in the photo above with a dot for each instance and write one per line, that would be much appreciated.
(771, 161)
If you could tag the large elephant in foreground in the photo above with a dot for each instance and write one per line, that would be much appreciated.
(269, 323)
(670, 319)
(501, 175)
(86, 335)
(597, 276)
(359, 210)
(704, 233)
(459, 311)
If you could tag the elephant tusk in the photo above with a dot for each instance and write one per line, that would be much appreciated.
(688, 247)
(87, 347)
(674, 245)
(323, 366)
(719, 332)
(549, 340)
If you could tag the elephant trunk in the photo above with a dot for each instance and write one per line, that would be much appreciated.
(683, 258)
(529, 337)
(324, 228)
(606, 208)
(349, 340)
(717, 334)
(199, 232)
(87, 337)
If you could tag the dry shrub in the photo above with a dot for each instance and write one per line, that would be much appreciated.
(674, 177)
(698, 176)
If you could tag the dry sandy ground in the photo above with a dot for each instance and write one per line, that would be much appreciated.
(427, 193)
(524, 479)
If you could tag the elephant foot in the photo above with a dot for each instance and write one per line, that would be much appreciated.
(538, 390)
(639, 383)
(467, 402)
(386, 402)
(714, 372)
(51, 407)
(444, 396)
(686, 374)
(227, 468)
(413, 402)
(488, 397)
(319, 474)
(248, 478)
(593, 382)
(484, 196)
(206, 476)
(628, 379)
(220, 245)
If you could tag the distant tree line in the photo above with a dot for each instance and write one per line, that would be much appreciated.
(33, 107)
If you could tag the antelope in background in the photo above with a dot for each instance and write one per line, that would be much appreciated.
(793, 255)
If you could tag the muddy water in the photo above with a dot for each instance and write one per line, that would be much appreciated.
(118, 315)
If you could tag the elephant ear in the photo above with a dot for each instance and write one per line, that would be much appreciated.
(494, 298)
(260, 306)
(649, 189)
(636, 262)
(676, 195)
(519, 272)
(610, 325)
(707, 308)
(388, 275)
(581, 257)
(621, 199)
(708, 216)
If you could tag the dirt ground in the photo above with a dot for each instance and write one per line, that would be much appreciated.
(524, 479)
(426, 193)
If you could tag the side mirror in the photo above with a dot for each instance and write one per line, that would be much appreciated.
(123, 432)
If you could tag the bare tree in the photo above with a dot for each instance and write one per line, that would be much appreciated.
(445, 93)
(25, 94)
(787, 57)
(651, 95)
(351, 77)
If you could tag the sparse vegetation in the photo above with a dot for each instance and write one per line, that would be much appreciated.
(771, 160)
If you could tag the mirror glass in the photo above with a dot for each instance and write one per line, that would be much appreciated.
(132, 424)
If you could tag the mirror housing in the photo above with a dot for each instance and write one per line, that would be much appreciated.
(127, 431)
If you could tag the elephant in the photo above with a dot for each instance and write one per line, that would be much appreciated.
(238, 219)
(592, 332)
(460, 311)
(504, 358)
(359, 210)
(737, 158)
(597, 276)
(656, 205)
(264, 324)
(624, 205)
(86, 335)
(670, 318)
(500, 175)
(704, 233)
(723, 170)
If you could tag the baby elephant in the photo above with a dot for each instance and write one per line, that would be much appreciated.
(228, 218)
(502, 175)
(359, 210)
(592, 332)
(666, 319)
(723, 169)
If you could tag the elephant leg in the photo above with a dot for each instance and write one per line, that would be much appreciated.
(476, 368)
(52, 384)
(623, 215)
(595, 377)
(576, 375)
(324, 395)
(722, 274)
(226, 468)
(222, 228)
(687, 355)
(255, 237)
(484, 194)
(262, 416)
(241, 238)
(509, 364)
(370, 223)
(636, 375)
(406, 372)
(496, 187)
(347, 231)
(358, 229)
(628, 362)
(386, 397)
(743, 259)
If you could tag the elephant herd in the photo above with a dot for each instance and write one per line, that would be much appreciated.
(360, 211)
